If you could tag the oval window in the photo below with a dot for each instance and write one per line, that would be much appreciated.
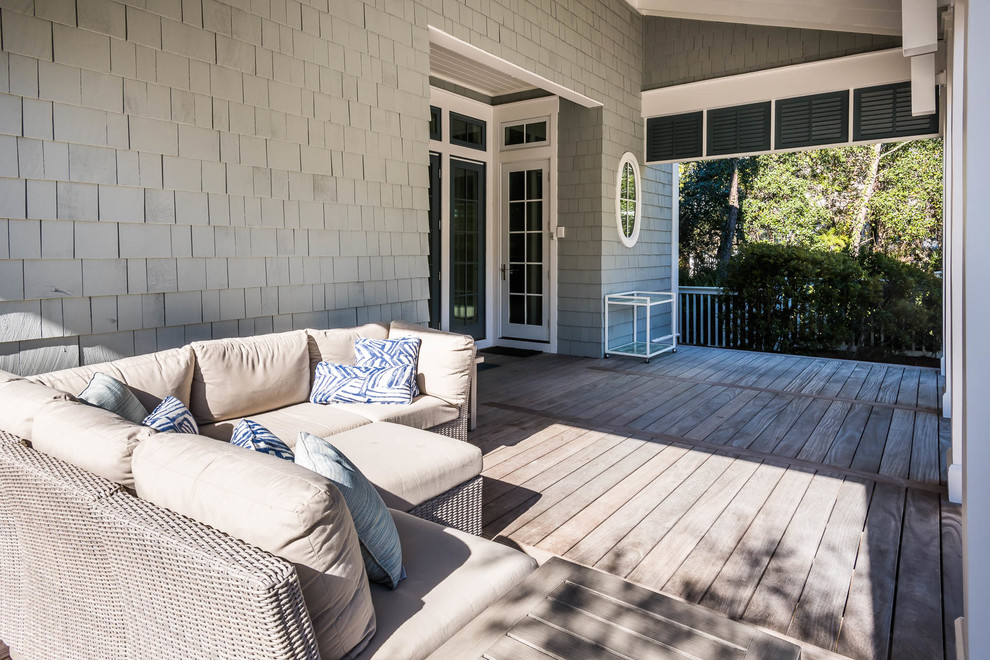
(627, 207)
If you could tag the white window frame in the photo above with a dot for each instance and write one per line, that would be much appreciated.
(524, 122)
(629, 158)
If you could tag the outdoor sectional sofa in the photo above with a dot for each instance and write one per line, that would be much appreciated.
(118, 541)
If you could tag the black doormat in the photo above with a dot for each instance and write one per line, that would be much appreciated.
(485, 366)
(511, 352)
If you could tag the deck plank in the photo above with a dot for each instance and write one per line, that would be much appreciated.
(917, 625)
(924, 451)
(866, 623)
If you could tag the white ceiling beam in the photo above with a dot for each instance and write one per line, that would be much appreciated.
(865, 16)
(923, 84)
(463, 48)
(919, 21)
(865, 70)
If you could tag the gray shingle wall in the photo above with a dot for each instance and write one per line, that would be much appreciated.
(196, 169)
(679, 51)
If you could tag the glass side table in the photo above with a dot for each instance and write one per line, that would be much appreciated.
(644, 323)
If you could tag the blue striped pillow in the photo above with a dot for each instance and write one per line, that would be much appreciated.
(341, 383)
(379, 539)
(389, 353)
(110, 394)
(252, 435)
(171, 416)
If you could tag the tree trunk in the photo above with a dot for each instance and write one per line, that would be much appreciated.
(861, 228)
(725, 249)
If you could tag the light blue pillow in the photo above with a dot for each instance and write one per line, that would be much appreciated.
(171, 416)
(110, 394)
(389, 353)
(252, 435)
(341, 383)
(376, 530)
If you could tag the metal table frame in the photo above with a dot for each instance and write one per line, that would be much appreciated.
(647, 300)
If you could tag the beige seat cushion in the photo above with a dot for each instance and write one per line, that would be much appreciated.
(406, 465)
(20, 402)
(337, 344)
(452, 578)
(446, 361)
(242, 376)
(89, 437)
(424, 412)
(286, 423)
(151, 377)
(277, 506)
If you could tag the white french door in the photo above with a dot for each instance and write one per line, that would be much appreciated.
(525, 251)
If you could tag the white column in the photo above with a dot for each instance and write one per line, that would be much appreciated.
(952, 268)
(976, 334)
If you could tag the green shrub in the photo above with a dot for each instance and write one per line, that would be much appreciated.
(792, 299)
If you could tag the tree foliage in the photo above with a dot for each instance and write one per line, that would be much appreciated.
(813, 198)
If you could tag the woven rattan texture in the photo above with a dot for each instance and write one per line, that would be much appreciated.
(459, 507)
(90, 571)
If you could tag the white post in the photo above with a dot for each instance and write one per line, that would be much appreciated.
(976, 330)
(952, 268)
(675, 251)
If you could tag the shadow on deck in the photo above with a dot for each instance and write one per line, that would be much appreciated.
(802, 495)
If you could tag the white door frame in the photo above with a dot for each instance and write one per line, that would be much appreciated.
(450, 102)
(510, 113)
(503, 220)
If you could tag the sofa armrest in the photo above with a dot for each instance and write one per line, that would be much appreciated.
(446, 361)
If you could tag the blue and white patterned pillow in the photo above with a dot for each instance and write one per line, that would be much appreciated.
(171, 416)
(342, 383)
(378, 537)
(252, 435)
(389, 353)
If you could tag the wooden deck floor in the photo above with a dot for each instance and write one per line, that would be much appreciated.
(802, 495)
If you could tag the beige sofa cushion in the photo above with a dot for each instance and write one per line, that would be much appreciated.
(151, 377)
(446, 361)
(242, 376)
(277, 506)
(408, 466)
(337, 344)
(424, 412)
(286, 423)
(20, 402)
(452, 578)
(89, 437)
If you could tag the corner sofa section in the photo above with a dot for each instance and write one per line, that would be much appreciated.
(268, 378)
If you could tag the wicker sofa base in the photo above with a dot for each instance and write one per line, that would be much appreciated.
(459, 507)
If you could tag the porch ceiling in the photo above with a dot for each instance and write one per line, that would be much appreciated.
(468, 72)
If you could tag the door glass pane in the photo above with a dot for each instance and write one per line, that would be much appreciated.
(534, 184)
(534, 279)
(467, 247)
(517, 309)
(517, 216)
(467, 131)
(534, 216)
(435, 241)
(534, 310)
(516, 277)
(517, 247)
(517, 186)
(534, 247)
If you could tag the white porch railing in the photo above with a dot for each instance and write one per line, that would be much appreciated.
(700, 312)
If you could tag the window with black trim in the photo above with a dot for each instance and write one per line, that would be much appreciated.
(436, 132)
(467, 131)
(534, 132)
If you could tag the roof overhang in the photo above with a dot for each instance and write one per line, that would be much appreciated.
(469, 66)
(864, 16)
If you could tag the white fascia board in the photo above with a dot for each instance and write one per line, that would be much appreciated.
(864, 16)
(919, 19)
(865, 70)
(450, 42)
